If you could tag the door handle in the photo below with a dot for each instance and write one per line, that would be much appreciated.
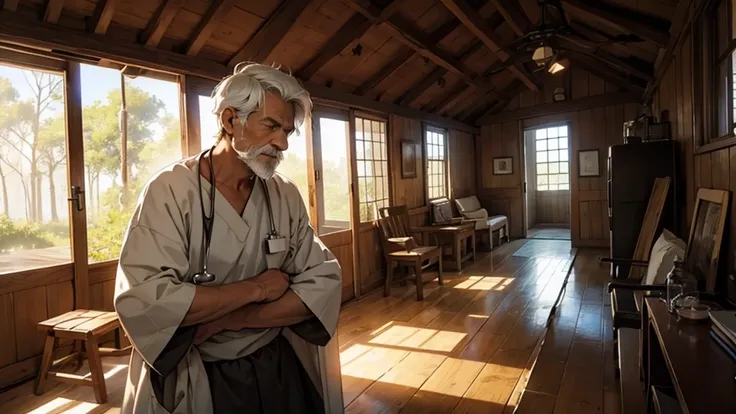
(316, 175)
(78, 197)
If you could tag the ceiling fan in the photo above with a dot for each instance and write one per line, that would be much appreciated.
(546, 44)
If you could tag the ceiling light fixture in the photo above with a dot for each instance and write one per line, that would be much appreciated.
(542, 55)
(558, 66)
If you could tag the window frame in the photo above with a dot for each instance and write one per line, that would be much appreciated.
(569, 156)
(388, 190)
(705, 68)
(445, 158)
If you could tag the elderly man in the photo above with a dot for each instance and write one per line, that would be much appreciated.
(220, 259)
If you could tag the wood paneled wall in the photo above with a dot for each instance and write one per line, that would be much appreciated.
(714, 169)
(462, 164)
(589, 129)
(552, 207)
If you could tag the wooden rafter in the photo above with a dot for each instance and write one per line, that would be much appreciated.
(606, 72)
(677, 29)
(625, 20)
(102, 16)
(402, 57)
(514, 15)
(160, 21)
(353, 29)
(593, 33)
(450, 100)
(514, 88)
(476, 24)
(404, 31)
(52, 12)
(268, 36)
(609, 59)
(10, 5)
(44, 36)
(606, 99)
(425, 83)
(211, 19)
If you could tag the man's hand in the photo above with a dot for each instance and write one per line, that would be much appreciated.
(207, 330)
(273, 283)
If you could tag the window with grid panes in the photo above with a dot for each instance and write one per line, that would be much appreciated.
(552, 158)
(370, 151)
(436, 163)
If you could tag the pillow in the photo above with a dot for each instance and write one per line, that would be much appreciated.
(477, 214)
(664, 252)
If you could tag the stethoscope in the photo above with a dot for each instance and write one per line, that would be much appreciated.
(208, 221)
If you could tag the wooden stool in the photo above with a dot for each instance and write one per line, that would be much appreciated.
(85, 327)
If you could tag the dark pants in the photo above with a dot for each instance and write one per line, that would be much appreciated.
(270, 380)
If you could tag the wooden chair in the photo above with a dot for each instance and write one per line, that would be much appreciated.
(401, 249)
(85, 327)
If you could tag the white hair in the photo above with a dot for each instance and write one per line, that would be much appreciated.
(245, 91)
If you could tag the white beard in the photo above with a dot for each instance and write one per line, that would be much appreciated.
(263, 169)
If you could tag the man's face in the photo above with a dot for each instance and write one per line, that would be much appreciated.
(261, 142)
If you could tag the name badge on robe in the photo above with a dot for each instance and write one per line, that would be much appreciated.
(275, 244)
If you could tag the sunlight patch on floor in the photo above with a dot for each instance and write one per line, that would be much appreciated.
(488, 283)
(419, 338)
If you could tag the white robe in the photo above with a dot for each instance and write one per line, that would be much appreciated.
(163, 249)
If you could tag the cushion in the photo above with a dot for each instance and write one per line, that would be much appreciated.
(467, 204)
(497, 222)
(477, 214)
(664, 252)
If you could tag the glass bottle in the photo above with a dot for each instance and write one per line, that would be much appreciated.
(682, 287)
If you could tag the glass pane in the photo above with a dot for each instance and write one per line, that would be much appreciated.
(564, 186)
(359, 150)
(562, 178)
(367, 132)
(383, 132)
(553, 156)
(361, 168)
(361, 193)
(552, 179)
(208, 125)
(562, 130)
(553, 187)
(376, 151)
(542, 156)
(542, 168)
(552, 132)
(153, 142)
(553, 143)
(541, 134)
(554, 168)
(542, 145)
(542, 187)
(369, 169)
(563, 155)
(723, 86)
(370, 189)
(542, 179)
(34, 221)
(336, 195)
(563, 142)
(368, 150)
(294, 166)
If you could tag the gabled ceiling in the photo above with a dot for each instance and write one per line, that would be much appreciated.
(458, 58)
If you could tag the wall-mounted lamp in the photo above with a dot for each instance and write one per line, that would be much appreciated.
(558, 95)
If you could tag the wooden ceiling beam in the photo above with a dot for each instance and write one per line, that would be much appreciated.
(352, 30)
(52, 12)
(268, 36)
(677, 29)
(425, 83)
(217, 11)
(10, 5)
(16, 30)
(102, 16)
(514, 15)
(451, 100)
(474, 111)
(404, 54)
(160, 22)
(593, 33)
(606, 99)
(475, 23)
(625, 20)
(609, 59)
(403, 31)
(606, 72)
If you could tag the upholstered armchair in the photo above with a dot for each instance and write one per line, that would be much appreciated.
(472, 211)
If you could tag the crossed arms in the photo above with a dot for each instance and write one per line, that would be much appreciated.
(264, 301)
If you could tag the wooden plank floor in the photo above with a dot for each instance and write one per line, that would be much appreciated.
(574, 373)
(549, 232)
(468, 347)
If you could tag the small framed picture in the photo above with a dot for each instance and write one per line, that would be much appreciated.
(588, 165)
(503, 166)
(408, 159)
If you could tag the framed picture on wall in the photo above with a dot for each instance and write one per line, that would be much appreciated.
(503, 166)
(588, 165)
(408, 159)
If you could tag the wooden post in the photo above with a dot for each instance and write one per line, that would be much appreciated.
(75, 172)
(123, 140)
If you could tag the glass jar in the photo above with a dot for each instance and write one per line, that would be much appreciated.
(682, 287)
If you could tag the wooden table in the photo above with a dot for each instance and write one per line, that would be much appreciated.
(460, 237)
(682, 358)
